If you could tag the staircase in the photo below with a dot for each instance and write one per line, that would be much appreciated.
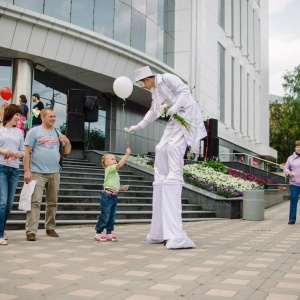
(78, 200)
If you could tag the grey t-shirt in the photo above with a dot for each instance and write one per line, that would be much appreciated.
(45, 152)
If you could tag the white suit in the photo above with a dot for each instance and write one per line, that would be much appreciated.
(166, 224)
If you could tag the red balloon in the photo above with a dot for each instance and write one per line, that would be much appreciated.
(6, 93)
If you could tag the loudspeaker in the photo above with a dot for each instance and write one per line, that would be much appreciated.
(91, 108)
(75, 101)
(211, 126)
(75, 127)
(213, 147)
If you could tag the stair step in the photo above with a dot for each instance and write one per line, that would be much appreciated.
(80, 189)
(62, 206)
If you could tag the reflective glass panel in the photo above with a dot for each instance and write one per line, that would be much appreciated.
(140, 5)
(35, 5)
(138, 31)
(151, 40)
(160, 13)
(160, 44)
(58, 9)
(152, 12)
(122, 22)
(82, 13)
(5, 77)
(104, 17)
(128, 2)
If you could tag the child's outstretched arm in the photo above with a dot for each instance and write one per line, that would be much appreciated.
(121, 163)
(124, 188)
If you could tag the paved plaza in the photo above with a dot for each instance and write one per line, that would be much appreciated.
(234, 259)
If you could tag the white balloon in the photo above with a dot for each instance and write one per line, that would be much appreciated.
(123, 87)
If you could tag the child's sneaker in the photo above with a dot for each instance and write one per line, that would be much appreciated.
(111, 238)
(100, 237)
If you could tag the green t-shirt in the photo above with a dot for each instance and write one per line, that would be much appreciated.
(112, 179)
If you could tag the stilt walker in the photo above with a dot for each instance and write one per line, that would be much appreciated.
(171, 97)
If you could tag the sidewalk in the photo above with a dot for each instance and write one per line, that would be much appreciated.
(235, 259)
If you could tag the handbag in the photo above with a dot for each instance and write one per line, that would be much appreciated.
(26, 193)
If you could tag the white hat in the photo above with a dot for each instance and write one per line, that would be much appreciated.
(142, 73)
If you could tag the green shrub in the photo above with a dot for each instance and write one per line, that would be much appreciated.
(216, 165)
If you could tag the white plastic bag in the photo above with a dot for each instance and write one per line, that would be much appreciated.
(25, 197)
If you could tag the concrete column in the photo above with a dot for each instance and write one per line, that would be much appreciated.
(22, 79)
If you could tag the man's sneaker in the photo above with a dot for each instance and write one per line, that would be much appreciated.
(111, 238)
(30, 237)
(5, 236)
(100, 237)
(52, 232)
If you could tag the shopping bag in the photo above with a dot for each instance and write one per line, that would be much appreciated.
(25, 197)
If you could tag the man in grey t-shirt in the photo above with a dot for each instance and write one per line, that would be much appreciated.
(41, 163)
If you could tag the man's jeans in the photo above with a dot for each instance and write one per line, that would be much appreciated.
(295, 190)
(108, 207)
(51, 183)
(8, 184)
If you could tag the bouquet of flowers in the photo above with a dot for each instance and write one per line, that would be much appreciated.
(182, 121)
(35, 113)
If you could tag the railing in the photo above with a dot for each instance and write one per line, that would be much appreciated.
(250, 160)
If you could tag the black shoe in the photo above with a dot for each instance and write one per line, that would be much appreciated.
(52, 232)
(291, 222)
(30, 237)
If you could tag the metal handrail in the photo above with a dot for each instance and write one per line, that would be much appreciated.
(247, 160)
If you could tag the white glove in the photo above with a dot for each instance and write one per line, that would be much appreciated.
(134, 128)
(171, 111)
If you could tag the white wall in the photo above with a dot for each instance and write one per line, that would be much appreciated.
(196, 59)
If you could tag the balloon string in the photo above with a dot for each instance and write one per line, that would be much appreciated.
(127, 135)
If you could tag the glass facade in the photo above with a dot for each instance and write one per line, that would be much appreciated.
(53, 92)
(147, 26)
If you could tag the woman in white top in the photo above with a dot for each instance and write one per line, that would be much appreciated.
(11, 150)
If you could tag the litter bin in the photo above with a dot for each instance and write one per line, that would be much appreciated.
(254, 205)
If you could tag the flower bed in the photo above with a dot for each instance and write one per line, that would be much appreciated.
(227, 183)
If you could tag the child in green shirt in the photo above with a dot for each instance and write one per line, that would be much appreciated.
(108, 199)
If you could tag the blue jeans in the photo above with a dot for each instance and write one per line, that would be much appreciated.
(8, 184)
(108, 207)
(295, 190)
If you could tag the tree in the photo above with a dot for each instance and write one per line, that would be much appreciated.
(285, 116)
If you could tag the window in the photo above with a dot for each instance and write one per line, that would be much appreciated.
(232, 18)
(34, 5)
(58, 9)
(104, 17)
(222, 82)
(122, 22)
(232, 92)
(241, 99)
(138, 31)
(221, 15)
(6, 72)
(247, 27)
(248, 105)
(241, 23)
(82, 12)
(254, 107)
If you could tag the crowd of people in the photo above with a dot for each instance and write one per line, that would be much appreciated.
(44, 141)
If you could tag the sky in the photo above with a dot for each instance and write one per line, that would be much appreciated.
(284, 41)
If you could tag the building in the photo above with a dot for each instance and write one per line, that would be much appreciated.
(218, 47)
